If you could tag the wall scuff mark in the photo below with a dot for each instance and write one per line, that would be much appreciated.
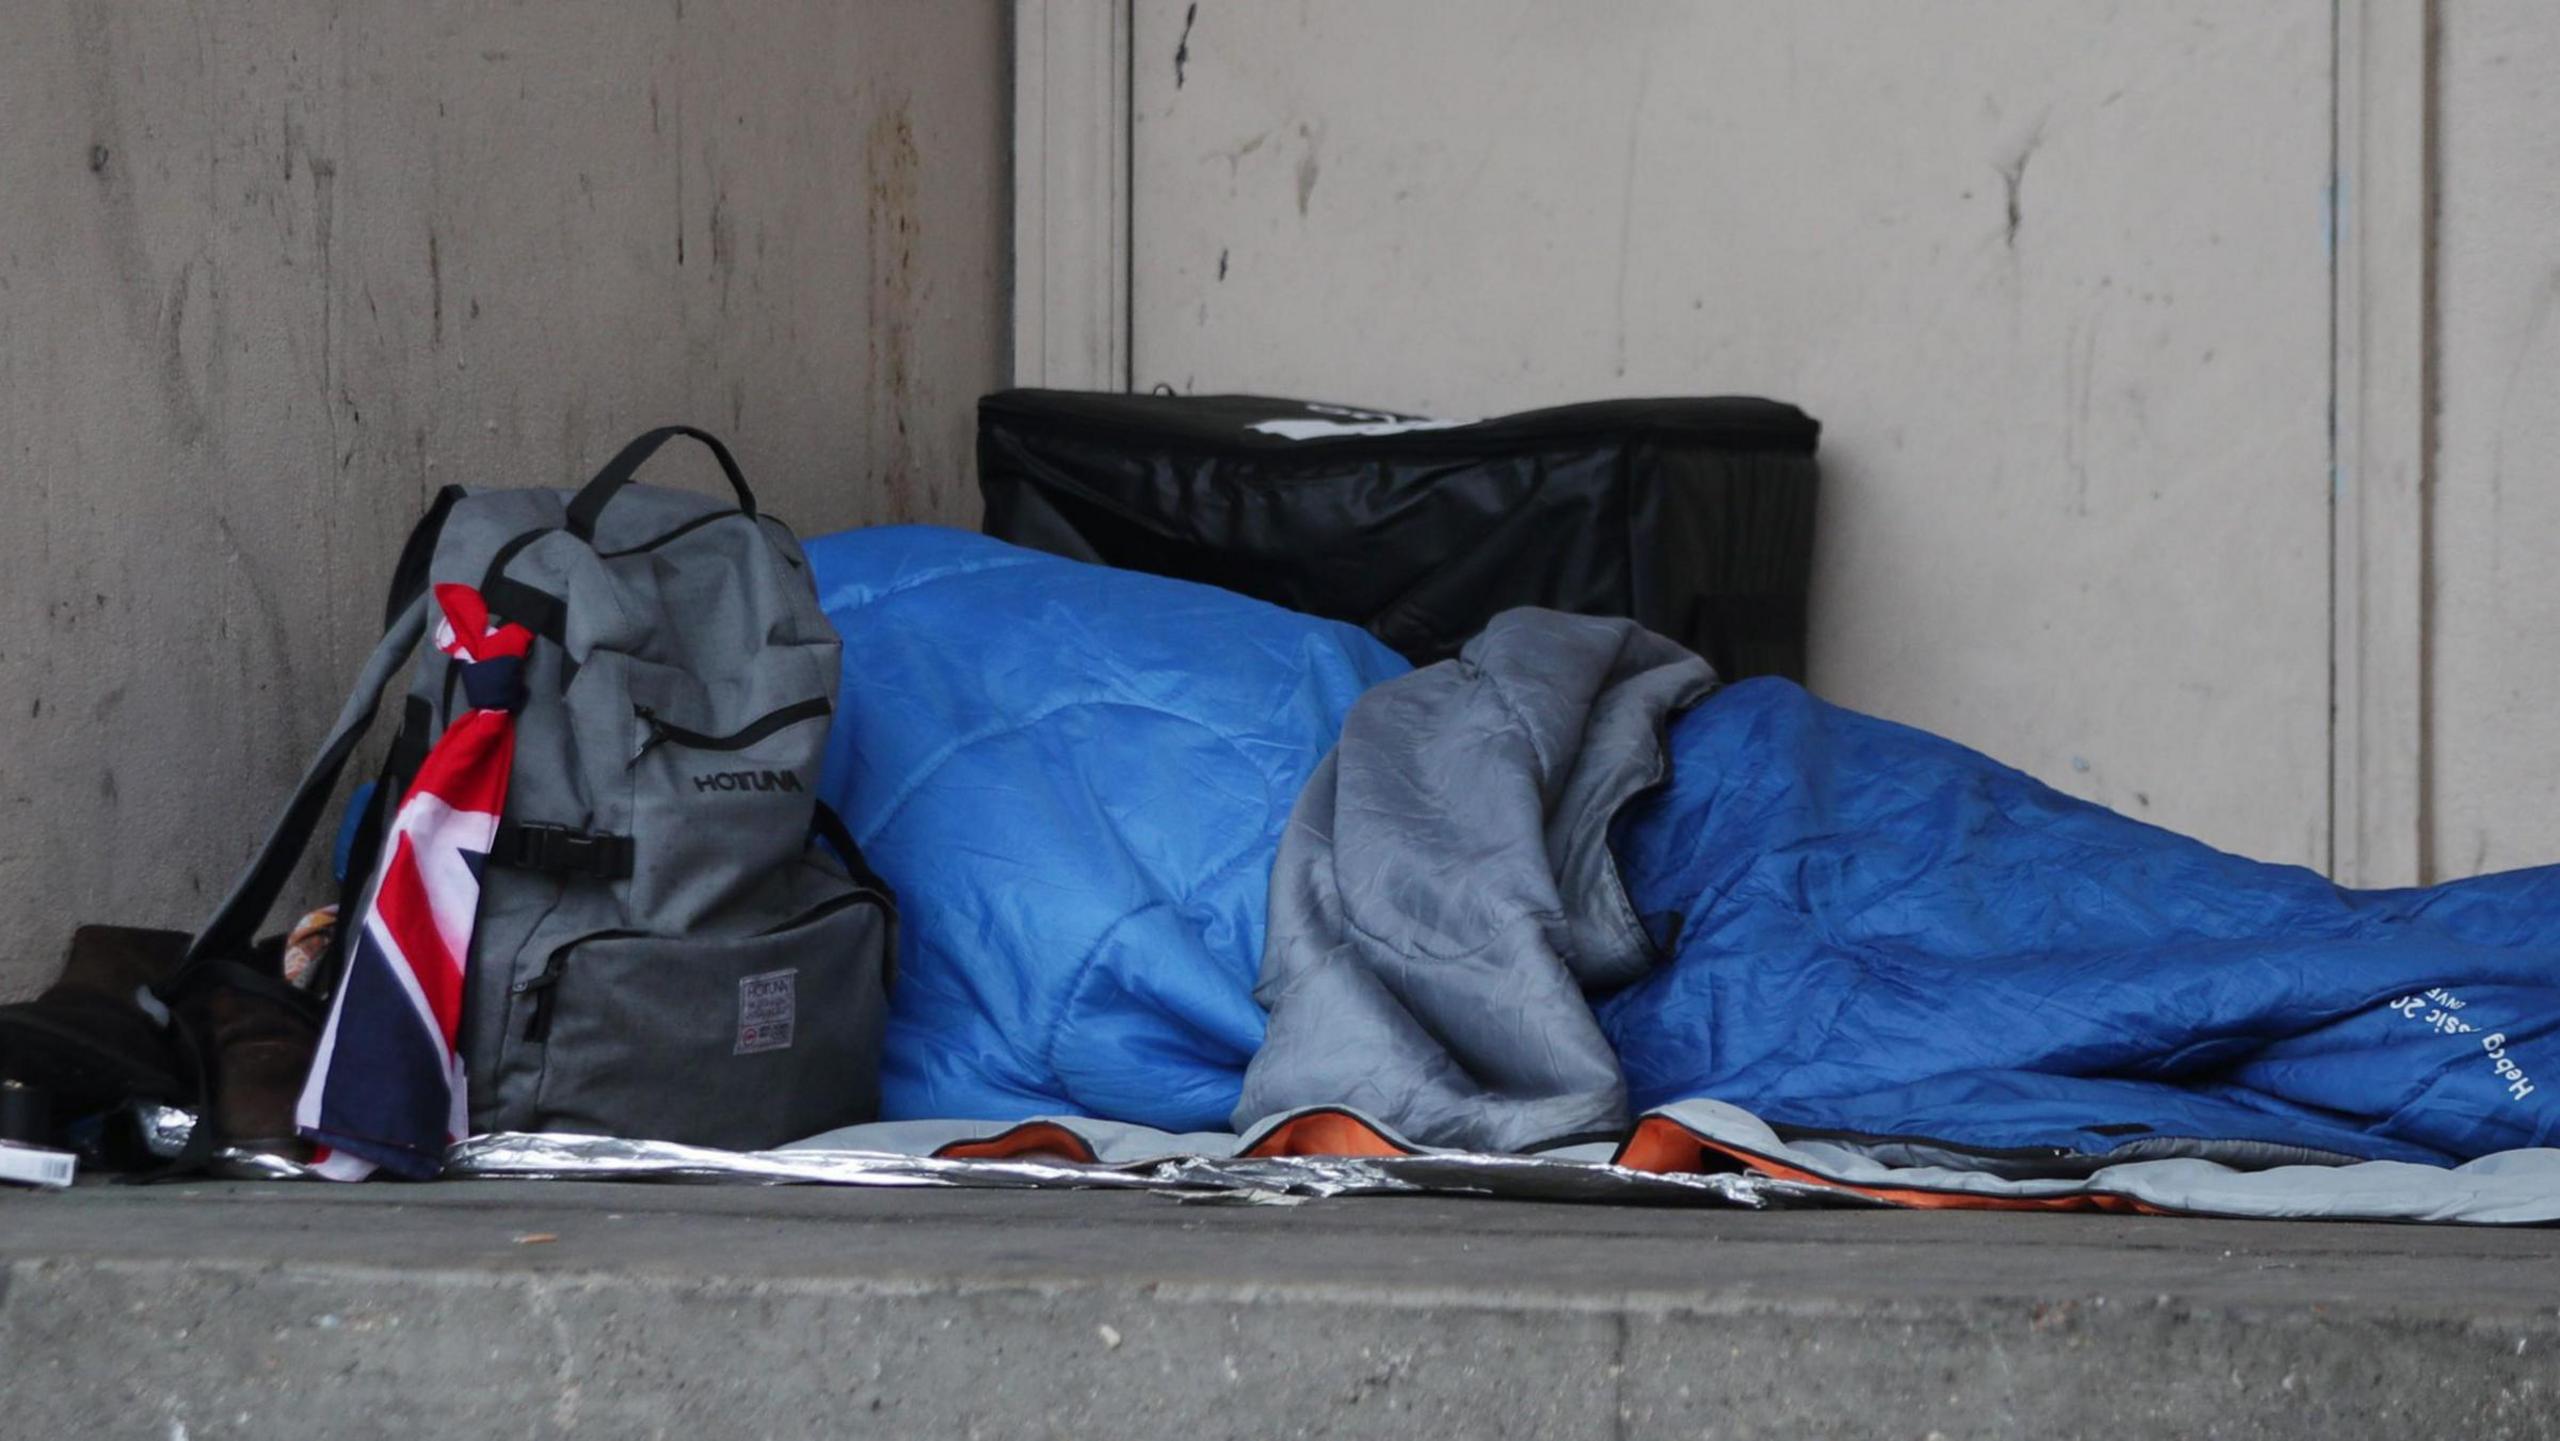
(1309, 165)
(892, 167)
(2013, 179)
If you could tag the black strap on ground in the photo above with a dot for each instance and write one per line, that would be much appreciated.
(192, 1158)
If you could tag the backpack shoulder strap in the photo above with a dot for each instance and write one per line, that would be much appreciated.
(234, 924)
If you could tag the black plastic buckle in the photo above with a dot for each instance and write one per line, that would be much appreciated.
(546, 846)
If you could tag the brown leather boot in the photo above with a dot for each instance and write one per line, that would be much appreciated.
(262, 1048)
(250, 1035)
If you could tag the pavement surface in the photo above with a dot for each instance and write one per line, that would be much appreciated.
(466, 1309)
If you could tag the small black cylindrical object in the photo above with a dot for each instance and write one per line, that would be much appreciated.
(22, 1113)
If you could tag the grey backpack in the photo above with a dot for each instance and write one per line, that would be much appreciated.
(660, 950)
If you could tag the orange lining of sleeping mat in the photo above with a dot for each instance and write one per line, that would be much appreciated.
(1031, 1138)
(1664, 1145)
(1324, 1133)
(1318, 1133)
(1658, 1144)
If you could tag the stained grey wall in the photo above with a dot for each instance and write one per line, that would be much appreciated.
(272, 272)
(2055, 276)
(2060, 276)
(2493, 690)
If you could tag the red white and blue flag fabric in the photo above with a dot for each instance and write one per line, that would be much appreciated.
(386, 1088)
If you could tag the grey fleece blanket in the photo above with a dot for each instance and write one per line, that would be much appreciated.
(1445, 896)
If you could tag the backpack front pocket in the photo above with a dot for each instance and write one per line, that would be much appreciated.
(738, 1042)
(716, 806)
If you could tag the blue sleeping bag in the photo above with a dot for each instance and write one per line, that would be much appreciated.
(1884, 934)
(1077, 778)
(1074, 778)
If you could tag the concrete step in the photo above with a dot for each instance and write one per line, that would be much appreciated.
(523, 1309)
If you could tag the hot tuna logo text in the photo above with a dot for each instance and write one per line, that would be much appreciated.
(747, 781)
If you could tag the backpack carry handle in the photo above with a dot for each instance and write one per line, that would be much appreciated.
(588, 507)
(234, 926)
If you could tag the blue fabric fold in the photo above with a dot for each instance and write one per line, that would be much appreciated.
(1074, 778)
(1883, 933)
(1077, 779)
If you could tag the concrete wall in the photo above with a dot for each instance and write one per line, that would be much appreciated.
(2493, 688)
(2054, 275)
(272, 272)
(2062, 280)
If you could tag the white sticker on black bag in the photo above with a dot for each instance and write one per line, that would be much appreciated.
(767, 1006)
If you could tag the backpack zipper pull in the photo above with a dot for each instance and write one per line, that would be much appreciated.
(544, 988)
(657, 732)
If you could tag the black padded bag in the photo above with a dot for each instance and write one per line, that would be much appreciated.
(1691, 516)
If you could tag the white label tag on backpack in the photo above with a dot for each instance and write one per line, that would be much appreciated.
(767, 1006)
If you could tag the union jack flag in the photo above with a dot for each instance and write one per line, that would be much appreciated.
(386, 1087)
